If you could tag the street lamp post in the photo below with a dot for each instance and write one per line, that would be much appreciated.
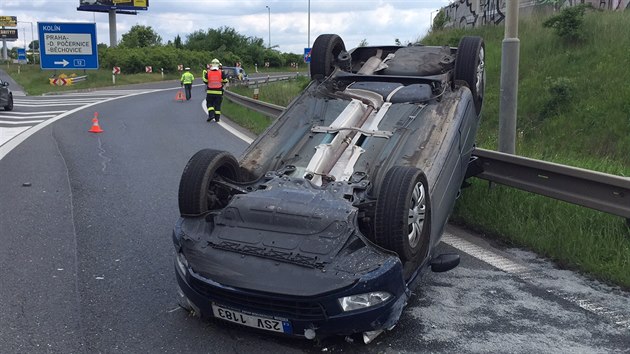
(32, 39)
(269, 16)
(431, 18)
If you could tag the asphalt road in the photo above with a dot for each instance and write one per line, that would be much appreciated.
(87, 256)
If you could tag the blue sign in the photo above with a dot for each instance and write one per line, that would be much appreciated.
(68, 45)
(307, 55)
(21, 55)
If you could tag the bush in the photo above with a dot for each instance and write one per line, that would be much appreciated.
(133, 60)
(568, 23)
(561, 91)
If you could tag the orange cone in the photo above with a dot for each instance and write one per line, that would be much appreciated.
(95, 127)
(180, 96)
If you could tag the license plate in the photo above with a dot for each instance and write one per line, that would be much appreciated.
(265, 323)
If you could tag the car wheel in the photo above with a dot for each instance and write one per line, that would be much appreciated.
(197, 193)
(470, 66)
(402, 221)
(9, 106)
(326, 49)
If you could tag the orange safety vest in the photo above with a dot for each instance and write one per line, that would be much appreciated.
(214, 80)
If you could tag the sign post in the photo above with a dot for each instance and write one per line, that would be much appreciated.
(67, 45)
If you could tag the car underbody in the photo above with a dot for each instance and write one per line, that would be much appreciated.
(327, 220)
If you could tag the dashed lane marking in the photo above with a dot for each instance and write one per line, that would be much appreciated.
(526, 274)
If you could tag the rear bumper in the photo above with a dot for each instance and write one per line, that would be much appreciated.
(202, 293)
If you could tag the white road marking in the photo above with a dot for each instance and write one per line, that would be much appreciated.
(7, 134)
(227, 127)
(54, 104)
(22, 121)
(526, 274)
(38, 112)
(16, 138)
(27, 117)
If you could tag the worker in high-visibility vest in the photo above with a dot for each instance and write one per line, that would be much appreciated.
(214, 90)
(187, 81)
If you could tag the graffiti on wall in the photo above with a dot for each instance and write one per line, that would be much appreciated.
(473, 13)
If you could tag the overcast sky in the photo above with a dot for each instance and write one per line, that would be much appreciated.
(378, 22)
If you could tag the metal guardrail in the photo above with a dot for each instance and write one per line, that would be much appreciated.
(591, 189)
(255, 81)
(595, 190)
(268, 109)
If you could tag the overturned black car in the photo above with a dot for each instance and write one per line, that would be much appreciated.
(326, 222)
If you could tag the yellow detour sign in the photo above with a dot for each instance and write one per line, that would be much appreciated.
(60, 81)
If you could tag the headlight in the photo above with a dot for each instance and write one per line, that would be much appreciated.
(182, 263)
(362, 301)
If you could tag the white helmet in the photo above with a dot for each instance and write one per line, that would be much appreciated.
(186, 68)
(215, 61)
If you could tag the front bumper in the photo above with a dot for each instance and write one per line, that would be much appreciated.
(309, 317)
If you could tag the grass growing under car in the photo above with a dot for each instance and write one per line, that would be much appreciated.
(573, 109)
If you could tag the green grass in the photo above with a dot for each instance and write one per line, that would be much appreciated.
(280, 93)
(251, 120)
(575, 237)
(591, 120)
(35, 81)
(587, 125)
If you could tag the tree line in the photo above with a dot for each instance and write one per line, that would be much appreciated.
(142, 46)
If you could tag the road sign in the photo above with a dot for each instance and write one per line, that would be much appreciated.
(307, 55)
(116, 70)
(8, 21)
(9, 34)
(68, 45)
(60, 81)
(180, 67)
(21, 52)
(148, 69)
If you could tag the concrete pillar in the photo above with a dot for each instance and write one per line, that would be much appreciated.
(509, 80)
(112, 28)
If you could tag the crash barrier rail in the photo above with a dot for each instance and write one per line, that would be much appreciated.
(255, 81)
(79, 78)
(595, 190)
(591, 189)
(268, 109)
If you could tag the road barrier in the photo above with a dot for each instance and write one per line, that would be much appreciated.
(591, 189)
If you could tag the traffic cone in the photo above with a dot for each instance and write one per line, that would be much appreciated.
(180, 96)
(95, 127)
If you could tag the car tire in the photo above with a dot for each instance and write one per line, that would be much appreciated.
(402, 221)
(470, 67)
(9, 106)
(324, 53)
(197, 193)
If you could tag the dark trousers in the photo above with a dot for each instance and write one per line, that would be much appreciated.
(213, 103)
(187, 88)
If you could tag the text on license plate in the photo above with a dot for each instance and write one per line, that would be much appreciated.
(250, 320)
